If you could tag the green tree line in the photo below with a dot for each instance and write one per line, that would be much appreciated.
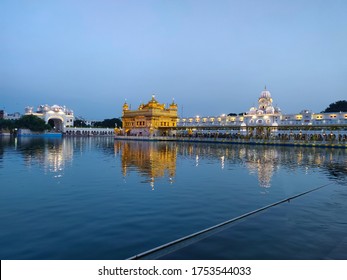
(338, 106)
(31, 122)
(107, 123)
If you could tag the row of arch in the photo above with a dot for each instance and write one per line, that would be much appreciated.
(89, 132)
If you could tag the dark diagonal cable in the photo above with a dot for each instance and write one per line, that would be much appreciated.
(192, 238)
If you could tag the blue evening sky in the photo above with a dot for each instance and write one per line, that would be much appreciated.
(212, 56)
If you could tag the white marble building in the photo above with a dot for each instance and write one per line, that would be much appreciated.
(59, 117)
(266, 119)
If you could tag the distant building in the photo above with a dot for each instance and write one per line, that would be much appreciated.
(90, 122)
(12, 116)
(150, 119)
(266, 120)
(59, 117)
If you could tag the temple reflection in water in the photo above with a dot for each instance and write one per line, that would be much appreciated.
(151, 160)
(263, 164)
(158, 159)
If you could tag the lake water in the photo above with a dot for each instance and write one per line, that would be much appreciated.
(96, 198)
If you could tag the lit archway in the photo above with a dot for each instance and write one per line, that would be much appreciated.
(56, 124)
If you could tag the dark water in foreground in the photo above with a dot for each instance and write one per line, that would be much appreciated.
(93, 198)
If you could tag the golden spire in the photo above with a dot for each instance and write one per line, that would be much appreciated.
(173, 105)
(125, 105)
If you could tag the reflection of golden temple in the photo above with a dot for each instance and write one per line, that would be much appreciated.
(153, 160)
(150, 119)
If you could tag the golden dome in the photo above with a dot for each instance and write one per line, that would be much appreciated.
(125, 106)
(173, 105)
(154, 104)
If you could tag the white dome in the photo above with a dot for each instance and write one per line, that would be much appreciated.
(270, 110)
(29, 110)
(253, 110)
(260, 112)
(265, 94)
(56, 108)
(43, 108)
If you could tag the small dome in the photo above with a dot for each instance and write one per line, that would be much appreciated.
(153, 100)
(270, 110)
(29, 110)
(277, 110)
(260, 112)
(43, 108)
(125, 106)
(253, 110)
(173, 105)
(265, 94)
(55, 108)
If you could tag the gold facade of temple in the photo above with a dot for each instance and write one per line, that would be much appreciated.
(151, 119)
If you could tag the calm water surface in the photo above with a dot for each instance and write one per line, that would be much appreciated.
(96, 198)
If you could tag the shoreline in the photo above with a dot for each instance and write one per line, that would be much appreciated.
(292, 143)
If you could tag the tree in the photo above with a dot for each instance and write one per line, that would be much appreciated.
(110, 123)
(33, 123)
(80, 123)
(232, 114)
(6, 124)
(338, 106)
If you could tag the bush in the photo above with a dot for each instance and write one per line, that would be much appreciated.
(33, 123)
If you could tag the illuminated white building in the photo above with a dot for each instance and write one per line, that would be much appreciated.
(59, 117)
(266, 119)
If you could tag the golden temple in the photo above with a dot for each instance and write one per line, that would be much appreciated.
(151, 119)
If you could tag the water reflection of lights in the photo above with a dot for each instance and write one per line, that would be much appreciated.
(56, 157)
(155, 160)
(151, 160)
(262, 163)
(53, 156)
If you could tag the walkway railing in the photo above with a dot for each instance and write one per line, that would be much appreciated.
(279, 142)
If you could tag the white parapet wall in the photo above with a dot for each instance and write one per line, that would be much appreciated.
(88, 131)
